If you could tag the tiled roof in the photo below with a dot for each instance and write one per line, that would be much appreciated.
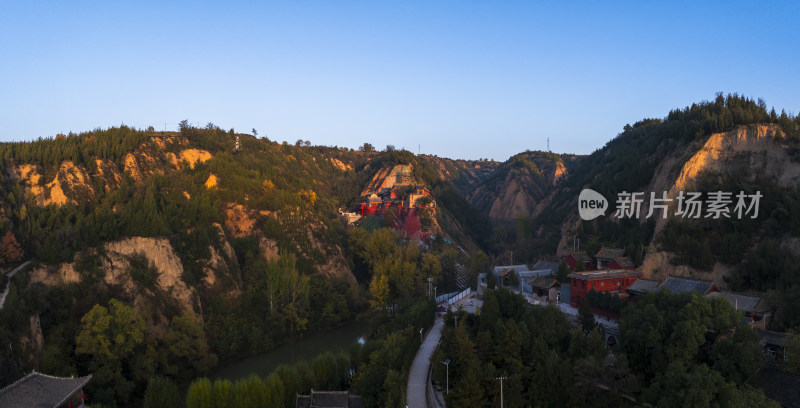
(738, 301)
(682, 285)
(643, 285)
(779, 386)
(515, 268)
(604, 274)
(775, 338)
(552, 266)
(624, 261)
(609, 253)
(37, 390)
(534, 273)
(581, 256)
(544, 283)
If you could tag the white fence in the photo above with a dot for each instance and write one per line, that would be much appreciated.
(454, 297)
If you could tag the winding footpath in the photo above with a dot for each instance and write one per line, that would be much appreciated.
(417, 389)
(8, 286)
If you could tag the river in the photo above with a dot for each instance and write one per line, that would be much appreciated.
(307, 349)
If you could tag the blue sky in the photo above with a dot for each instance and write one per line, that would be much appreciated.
(458, 79)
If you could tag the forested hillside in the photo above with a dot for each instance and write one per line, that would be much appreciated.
(196, 252)
(731, 144)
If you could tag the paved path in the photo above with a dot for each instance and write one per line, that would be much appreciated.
(8, 286)
(416, 393)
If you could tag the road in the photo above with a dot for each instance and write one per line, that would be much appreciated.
(417, 390)
(8, 286)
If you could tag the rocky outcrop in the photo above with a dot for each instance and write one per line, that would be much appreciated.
(33, 342)
(520, 187)
(115, 266)
(109, 173)
(189, 156)
(70, 185)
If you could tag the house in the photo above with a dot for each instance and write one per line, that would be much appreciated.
(329, 399)
(682, 285)
(370, 205)
(609, 280)
(545, 287)
(621, 262)
(416, 194)
(754, 309)
(605, 256)
(523, 272)
(576, 258)
(774, 345)
(548, 265)
(44, 391)
(641, 287)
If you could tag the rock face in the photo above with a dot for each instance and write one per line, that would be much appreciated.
(189, 156)
(399, 175)
(70, 184)
(116, 264)
(33, 342)
(520, 187)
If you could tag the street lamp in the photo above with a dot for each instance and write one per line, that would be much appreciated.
(501, 389)
(447, 383)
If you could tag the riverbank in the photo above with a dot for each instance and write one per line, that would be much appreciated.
(340, 339)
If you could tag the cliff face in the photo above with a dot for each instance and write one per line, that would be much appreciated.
(71, 184)
(521, 186)
(757, 148)
(115, 267)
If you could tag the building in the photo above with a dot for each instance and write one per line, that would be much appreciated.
(610, 280)
(640, 288)
(416, 194)
(607, 255)
(524, 274)
(329, 399)
(545, 287)
(576, 258)
(683, 285)
(774, 345)
(621, 262)
(548, 265)
(754, 309)
(37, 390)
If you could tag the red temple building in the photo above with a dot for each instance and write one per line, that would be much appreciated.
(609, 280)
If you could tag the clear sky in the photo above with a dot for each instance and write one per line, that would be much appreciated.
(461, 79)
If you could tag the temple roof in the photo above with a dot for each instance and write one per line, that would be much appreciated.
(37, 390)
(610, 253)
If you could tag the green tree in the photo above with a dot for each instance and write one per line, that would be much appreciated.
(110, 333)
(161, 393)
(563, 272)
(275, 391)
(187, 341)
(585, 316)
(200, 394)
(251, 392)
(223, 395)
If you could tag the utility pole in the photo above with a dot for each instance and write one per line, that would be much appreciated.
(447, 383)
(501, 389)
